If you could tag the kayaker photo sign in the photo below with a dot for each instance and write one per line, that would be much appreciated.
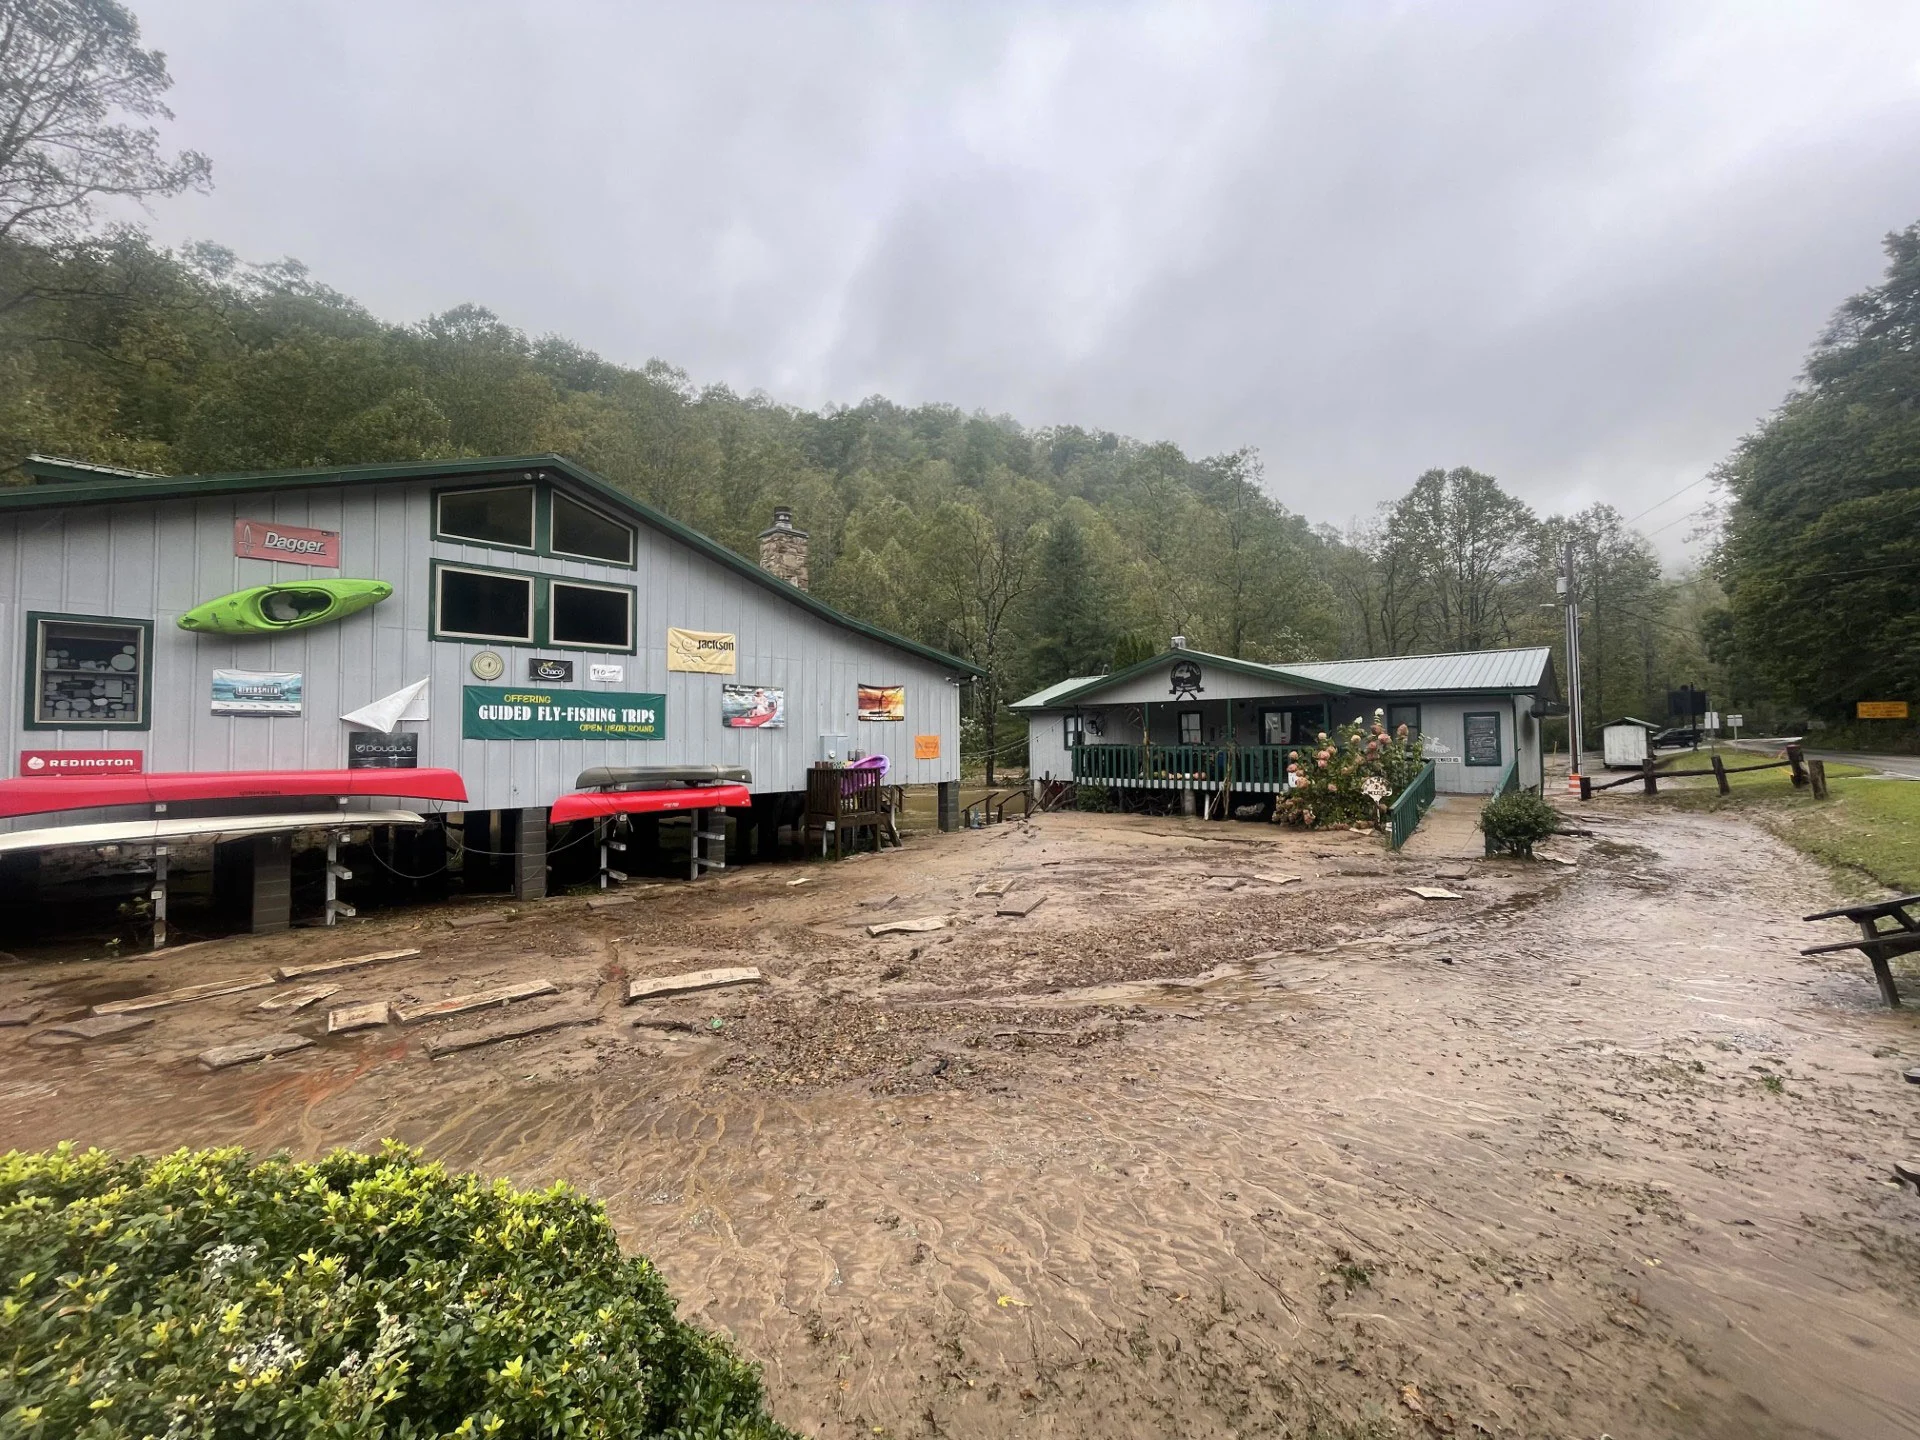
(295, 544)
(704, 652)
(500, 712)
(753, 707)
(256, 692)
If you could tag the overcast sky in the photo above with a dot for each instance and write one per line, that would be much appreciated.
(1581, 246)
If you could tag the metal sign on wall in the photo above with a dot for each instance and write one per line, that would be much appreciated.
(82, 762)
(373, 750)
(499, 712)
(550, 672)
(295, 544)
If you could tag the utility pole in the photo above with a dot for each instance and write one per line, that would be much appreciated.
(1576, 725)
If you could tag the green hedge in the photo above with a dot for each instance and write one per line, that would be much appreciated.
(205, 1295)
(1517, 821)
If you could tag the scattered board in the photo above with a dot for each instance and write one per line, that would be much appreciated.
(298, 999)
(1224, 882)
(908, 927)
(460, 1040)
(1277, 879)
(477, 1000)
(995, 888)
(363, 1016)
(1022, 905)
(94, 1027)
(334, 967)
(160, 999)
(803, 880)
(1566, 860)
(467, 922)
(1432, 892)
(609, 902)
(877, 902)
(9, 1018)
(659, 987)
(263, 1047)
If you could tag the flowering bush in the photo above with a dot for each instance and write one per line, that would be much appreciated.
(203, 1295)
(1351, 776)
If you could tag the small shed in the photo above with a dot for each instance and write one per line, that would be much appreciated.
(1625, 744)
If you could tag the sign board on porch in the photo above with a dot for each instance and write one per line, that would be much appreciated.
(295, 544)
(1880, 710)
(496, 712)
(82, 762)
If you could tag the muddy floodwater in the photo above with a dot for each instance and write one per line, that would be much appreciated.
(1232, 1135)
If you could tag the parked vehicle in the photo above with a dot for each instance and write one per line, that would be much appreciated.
(1678, 737)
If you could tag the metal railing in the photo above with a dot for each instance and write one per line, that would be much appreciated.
(1403, 818)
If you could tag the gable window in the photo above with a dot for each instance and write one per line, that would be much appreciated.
(88, 673)
(482, 604)
(1407, 715)
(1073, 733)
(587, 534)
(592, 617)
(499, 515)
(1190, 730)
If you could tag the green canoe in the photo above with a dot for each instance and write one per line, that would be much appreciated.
(266, 609)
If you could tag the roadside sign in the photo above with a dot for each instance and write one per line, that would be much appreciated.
(1734, 722)
(1712, 722)
(1880, 710)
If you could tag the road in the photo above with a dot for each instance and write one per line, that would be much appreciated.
(1907, 767)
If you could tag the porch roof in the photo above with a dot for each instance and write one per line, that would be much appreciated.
(1526, 671)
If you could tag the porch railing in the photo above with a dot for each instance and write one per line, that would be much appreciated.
(1403, 818)
(1178, 767)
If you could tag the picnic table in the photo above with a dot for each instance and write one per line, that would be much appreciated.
(1901, 937)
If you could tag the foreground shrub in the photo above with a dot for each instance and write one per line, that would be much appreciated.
(1516, 821)
(204, 1295)
(1350, 776)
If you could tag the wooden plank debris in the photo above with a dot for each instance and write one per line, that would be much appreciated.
(477, 1000)
(803, 880)
(292, 1000)
(995, 887)
(361, 1016)
(908, 927)
(1277, 879)
(659, 987)
(610, 902)
(261, 1047)
(1566, 860)
(335, 967)
(467, 922)
(10, 1018)
(1432, 892)
(459, 1040)
(93, 1027)
(877, 902)
(1225, 882)
(160, 999)
(1022, 905)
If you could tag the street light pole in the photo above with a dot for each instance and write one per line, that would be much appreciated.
(1576, 720)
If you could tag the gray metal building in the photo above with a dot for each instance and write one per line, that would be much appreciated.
(534, 600)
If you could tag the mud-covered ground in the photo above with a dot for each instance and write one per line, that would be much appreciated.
(1590, 1150)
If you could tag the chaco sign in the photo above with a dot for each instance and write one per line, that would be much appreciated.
(295, 544)
(499, 712)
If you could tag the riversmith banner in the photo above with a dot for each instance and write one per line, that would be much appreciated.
(705, 652)
(501, 712)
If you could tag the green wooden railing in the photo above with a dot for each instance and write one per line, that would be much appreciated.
(1404, 816)
(1178, 766)
(1509, 778)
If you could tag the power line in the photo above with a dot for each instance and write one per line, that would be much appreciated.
(1674, 496)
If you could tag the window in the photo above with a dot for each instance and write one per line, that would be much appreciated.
(88, 673)
(589, 535)
(1296, 726)
(1073, 732)
(1407, 715)
(482, 604)
(594, 617)
(501, 515)
(1190, 727)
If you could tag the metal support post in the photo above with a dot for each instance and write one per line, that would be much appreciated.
(336, 872)
(159, 897)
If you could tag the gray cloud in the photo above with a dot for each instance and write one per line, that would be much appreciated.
(1583, 247)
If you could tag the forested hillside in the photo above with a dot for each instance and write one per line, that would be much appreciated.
(1038, 553)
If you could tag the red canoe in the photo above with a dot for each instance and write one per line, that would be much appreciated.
(38, 794)
(585, 805)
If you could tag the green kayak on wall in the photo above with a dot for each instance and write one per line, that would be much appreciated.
(296, 605)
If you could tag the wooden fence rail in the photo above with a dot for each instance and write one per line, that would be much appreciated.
(1649, 775)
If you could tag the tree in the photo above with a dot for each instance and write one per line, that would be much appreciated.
(1071, 611)
(1470, 542)
(69, 71)
(1820, 559)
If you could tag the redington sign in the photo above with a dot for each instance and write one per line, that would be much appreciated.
(82, 762)
(295, 544)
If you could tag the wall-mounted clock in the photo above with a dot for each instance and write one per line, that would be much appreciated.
(487, 666)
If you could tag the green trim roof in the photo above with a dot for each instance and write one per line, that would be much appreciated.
(60, 484)
(1468, 672)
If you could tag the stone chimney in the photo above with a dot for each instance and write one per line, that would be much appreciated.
(783, 549)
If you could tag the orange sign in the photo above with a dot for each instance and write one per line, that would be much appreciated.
(926, 747)
(1880, 710)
